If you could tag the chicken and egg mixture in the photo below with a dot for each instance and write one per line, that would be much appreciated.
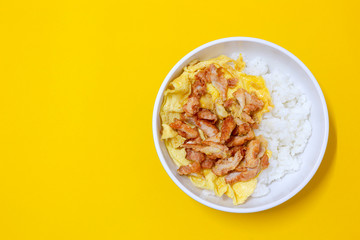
(208, 116)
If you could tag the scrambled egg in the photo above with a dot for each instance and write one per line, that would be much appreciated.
(175, 97)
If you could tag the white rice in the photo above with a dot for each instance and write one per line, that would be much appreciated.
(286, 127)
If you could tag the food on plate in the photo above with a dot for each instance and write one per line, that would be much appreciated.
(212, 126)
(208, 115)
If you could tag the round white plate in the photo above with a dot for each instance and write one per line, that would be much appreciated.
(277, 58)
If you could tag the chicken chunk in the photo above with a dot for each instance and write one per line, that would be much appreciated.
(249, 103)
(201, 75)
(251, 159)
(207, 127)
(233, 150)
(223, 148)
(227, 128)
(188, 169)
(194, 155)
(240, 140)
(217, 156)
(255, 125)
(218, 80)
(228, 103)
(192, 105)
(255, 155)
(253, 103)
(211, 149)
(239, 121)
(194, 140)
(198, 88)
(222, 167)
(189, 119)
(240, 97)
(246, 117)
(214, 139)
(211, 73)
(221, 85)
(207, 164)
(247, 175)
(206, 114)
(184, 129)
(242, 129)
(240, 168)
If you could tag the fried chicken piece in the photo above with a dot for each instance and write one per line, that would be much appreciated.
(222, 167)
(183, 134)
(245, 117)
(198, 88)
(251, 159)
(255, 125)
(214, 139)
(228, 103)
(264, 162)
(194, 140)
(242, 129)
(232, 105)
(214, 157)
(227, 128)
(211, 73)
(255, 155)
(221, 85)
(253, 103)
(232, 82)
(206, 114)
(217, 79)
(247, 175)
(184, 130)
(188, 169)
(192, 105)
(189, 119)
(201, 75)
(240, 168)
(194, 155)
(240, 97)
(251, 156)
(207, 127)
(207, 164)
(233, 150)
(239, 121)
(248, 102)
(211, 149)
(240, 140)
(219, 146)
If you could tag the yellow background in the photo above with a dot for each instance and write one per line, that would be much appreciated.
(78, 80)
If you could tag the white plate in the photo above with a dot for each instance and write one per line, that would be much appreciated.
(277, 58)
